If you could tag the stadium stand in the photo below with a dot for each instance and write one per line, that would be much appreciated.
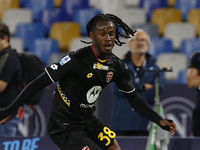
(13, 17)
(179, 31)
(64, 32)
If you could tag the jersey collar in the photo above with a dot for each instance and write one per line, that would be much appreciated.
(100, 60)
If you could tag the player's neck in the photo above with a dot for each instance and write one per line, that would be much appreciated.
(102, 57)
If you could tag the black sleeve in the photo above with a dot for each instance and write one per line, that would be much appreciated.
(124, 81)
(33, 87)
(142, 107)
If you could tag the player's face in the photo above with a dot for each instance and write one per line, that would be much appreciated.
(103, 37)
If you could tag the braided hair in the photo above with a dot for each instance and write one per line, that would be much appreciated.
(118, 24)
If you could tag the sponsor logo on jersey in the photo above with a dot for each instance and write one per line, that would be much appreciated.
(100, 66)
(89, 75)
(64, 60)
(109, 76)
(93, 94)
(86, 105)
(54, 67)
(85, 148)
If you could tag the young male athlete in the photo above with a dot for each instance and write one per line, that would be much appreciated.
(81, 76)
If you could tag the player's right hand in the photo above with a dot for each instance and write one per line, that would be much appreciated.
(5, 119)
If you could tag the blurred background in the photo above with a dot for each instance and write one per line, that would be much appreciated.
(51, 28)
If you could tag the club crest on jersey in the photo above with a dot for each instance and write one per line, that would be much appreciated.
(64, 60)
(109, 76)
(100, 66)
(85, 148)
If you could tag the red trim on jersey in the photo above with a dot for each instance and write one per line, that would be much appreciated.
(97, 56)
(94, 52)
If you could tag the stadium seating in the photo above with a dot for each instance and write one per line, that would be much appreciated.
(159, 46)
(185, 6)
(57, 3)
(82, 16)
(93, 3)
(189, 46)
(12, 17)
(182, 77)
(43, 48)
(150, 28)
(7, 4)
(179, 31)
(69, 7)
(29, 32)
(104, 5)
(37, 5)
(64, 32)
(194, 18)
(131, 3)
(163, 16)
(65, 21)
(49, 16)
(149, 5)
(176, 61)
(170, 3)
(17, 44)
(132, 16)
(55, 57)
(77, 44)
(21, 3)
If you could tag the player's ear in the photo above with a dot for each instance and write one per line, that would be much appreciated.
(91, 36)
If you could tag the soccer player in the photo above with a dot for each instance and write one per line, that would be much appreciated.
(81, 76)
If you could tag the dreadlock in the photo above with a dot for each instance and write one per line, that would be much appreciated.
(118, 24)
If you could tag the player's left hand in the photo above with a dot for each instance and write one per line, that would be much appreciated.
(168, 125)
(5, 119)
